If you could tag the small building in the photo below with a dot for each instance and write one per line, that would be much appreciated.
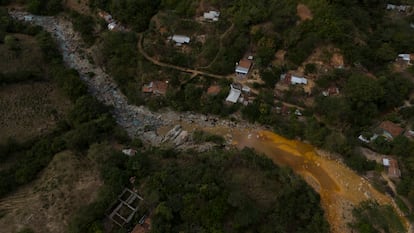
(392, 167)
(386, 162)
(28, 18)
(405, 57)
(367, 140)
(180, 39)
(390, 130)
(156, 87)
(211, 16)
(410, 133)
(213, 90)
(400, 8)
(246, 89)
(129, 152)
(112, 26)
(234, 94)
(331, 91)
(292, 79)
(243, 67)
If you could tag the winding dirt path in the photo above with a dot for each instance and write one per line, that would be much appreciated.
(179, 68)
(222, 36)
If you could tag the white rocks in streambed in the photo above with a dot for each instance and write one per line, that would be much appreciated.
(181, 138)
(173, 133)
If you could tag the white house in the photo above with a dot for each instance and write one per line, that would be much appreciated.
(362, 138)
(112, 26)
(292, 79)
(298, 80)
(401, 8)
(180, 39)
(406, 57)
(243, 67)
(211, 15)
(28, 18)
(129, 152)
(246, 89)
(234, 94)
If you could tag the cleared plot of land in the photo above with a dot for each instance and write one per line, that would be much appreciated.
(30, 109)
(47, 204)
(27, 55)
(303, 12)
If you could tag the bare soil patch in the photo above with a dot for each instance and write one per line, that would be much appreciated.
(304, 12)
(30, 109)
(47, 204)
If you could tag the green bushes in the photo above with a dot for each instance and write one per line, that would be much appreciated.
(204, 195)
(371, 217)
(135, 13)
(202, 136)
(85, 25)
(45, 7)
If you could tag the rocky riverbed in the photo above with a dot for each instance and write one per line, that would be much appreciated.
(138, 121)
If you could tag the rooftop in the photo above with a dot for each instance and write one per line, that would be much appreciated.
(156, 87)
(393, 129)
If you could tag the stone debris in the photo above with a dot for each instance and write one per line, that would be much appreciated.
(138, 121)
(132, 118)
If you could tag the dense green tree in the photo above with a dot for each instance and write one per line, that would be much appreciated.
(45, 7)
(135, 13)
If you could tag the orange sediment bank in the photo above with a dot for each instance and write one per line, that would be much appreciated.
(339, 187)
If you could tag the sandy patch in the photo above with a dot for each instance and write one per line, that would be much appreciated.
(304, 12)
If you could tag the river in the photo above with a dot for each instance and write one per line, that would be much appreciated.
(339, 187)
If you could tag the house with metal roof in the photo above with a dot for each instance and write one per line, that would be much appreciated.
(390, 130)
(243, 67)
(234, 94)
(211, 16)
(406, 57)
(292, 79)
(180, 39)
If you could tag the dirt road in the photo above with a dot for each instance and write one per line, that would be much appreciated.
(179, 68)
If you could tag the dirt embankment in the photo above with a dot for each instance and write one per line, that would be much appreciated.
(47, 205)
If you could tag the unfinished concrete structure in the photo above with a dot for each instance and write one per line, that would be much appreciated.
(125, 207)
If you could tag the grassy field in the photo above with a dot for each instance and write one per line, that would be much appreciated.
(27, 109)
(30, 109)
(27, 55)
(47, 204)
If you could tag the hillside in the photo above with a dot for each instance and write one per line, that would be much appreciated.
(47, 205)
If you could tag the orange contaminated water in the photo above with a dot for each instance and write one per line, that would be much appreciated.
(339, 187)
